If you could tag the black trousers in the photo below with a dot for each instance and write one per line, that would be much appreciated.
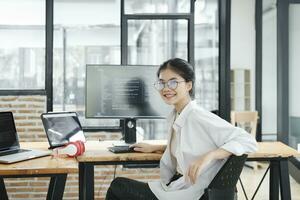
(128, 189)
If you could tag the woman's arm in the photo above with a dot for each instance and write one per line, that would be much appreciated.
(225, 135)
(196, 167)
(148, 148)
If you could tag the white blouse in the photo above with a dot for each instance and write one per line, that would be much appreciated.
(199, 131)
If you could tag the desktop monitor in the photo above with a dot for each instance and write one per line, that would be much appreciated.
(123, 92)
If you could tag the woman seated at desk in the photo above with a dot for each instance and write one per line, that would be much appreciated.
(198, 143)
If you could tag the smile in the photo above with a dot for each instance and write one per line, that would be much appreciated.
(169, 95)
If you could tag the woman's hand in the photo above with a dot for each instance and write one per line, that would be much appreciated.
(147, 148)
(197, 166)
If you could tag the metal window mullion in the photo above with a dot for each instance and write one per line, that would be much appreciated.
(258, 66)
(64, 37)
(157, 16)
(283, 71)
(22, 92)
(191, 35)
(124, 32)
(49, 55)
(224, 58)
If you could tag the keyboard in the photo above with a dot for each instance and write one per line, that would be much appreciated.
(13, 152)
(121, 149)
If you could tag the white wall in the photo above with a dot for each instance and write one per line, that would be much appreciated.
(243, 39)
(269, 71)
(294, 60)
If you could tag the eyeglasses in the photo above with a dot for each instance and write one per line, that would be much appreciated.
(171, 84)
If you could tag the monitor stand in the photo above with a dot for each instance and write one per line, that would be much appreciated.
(128, 126)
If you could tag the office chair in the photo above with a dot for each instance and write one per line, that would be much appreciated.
(223, 186)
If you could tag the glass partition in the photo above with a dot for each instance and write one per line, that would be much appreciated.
(150, 42)
(85, 32)
(207, 54)
(22, 44)
(294, 72)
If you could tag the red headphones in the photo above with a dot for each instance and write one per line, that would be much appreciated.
(71, 149)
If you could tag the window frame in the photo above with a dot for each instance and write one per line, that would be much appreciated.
(224, 52)
(157, 16)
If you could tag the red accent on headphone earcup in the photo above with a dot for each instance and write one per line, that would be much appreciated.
(82, 146)
(79, 146)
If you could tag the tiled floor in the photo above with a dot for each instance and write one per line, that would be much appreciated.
(251, 179)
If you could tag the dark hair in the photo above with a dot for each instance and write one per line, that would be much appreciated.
(182, 68)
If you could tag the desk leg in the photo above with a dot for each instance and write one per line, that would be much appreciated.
(3, 193)
(285, 188)
(56, 187)
(274, 180)
(86, 181)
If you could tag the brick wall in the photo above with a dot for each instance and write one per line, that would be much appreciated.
(27, 111)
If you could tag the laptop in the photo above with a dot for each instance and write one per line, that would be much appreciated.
(61, 128)
(10, 151)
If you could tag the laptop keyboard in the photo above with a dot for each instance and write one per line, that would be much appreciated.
(13, 152)
(121, 149)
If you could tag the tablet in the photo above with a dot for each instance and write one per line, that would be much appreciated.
(62, 127)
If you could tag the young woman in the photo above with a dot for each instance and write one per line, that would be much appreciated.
(198, 143)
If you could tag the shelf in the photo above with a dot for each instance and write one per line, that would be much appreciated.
(240, 86)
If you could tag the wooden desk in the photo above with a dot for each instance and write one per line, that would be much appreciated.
(273, 150)
(277, 154)
(55, 168)
(96, 153)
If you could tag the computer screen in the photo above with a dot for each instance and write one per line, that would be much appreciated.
(114, 91)
(62, 127)
(8, 132)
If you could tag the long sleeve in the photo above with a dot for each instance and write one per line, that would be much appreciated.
(226, 136)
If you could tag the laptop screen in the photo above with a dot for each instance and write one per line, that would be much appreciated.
(8, 132)
(62, 128)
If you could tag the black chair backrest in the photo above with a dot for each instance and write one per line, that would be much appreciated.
(229, 174)
(223, 186)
